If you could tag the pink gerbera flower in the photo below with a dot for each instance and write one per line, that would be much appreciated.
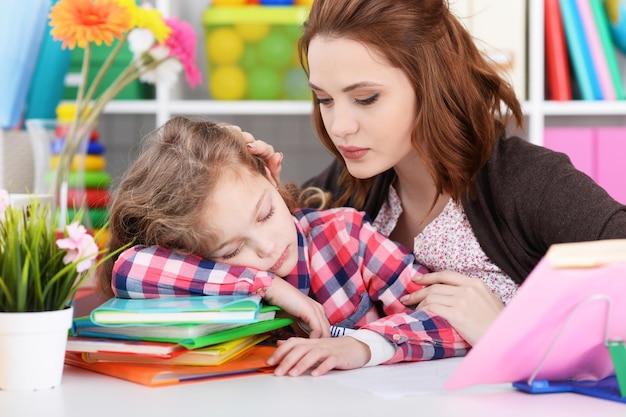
(182, 44)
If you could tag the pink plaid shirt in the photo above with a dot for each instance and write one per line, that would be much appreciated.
(356, 273)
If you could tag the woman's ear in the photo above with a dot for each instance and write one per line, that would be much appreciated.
(270, 177)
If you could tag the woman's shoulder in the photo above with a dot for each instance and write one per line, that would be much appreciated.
(515, 153)
(515, 162)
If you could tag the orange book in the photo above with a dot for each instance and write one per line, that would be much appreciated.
(252, 363)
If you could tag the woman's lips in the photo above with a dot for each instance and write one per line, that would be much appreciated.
(280, 260)
(352, 152)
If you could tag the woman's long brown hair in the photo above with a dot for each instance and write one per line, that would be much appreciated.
(463, 104)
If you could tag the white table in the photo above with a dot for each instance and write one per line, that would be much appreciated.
(88, 394)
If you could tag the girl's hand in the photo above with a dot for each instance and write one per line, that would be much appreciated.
(296, 355)
(290, 299)
(466, 303)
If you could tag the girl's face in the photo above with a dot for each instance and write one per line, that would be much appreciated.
(254, 225)
(368, 106)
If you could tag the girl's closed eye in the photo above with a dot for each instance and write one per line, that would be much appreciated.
(268, 215)
(367, 101)
(233, 253)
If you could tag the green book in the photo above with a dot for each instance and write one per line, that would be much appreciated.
(191, 336)
(84, 325)
(192, 309)
(602, 21)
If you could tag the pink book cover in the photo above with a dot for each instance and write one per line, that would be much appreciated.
(597, 52)
(555, 325)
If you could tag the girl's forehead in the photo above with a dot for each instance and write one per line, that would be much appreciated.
(238, 182)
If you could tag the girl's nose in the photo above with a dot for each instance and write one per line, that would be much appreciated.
(265, 248)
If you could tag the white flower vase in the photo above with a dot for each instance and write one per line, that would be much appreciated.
(32, 349)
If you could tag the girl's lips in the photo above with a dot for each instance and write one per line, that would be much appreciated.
(280, 260)
(352, 152)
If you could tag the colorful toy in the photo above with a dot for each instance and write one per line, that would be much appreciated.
(252, 52)
(89, 188)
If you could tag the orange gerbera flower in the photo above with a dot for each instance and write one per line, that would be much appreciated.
(78, 22)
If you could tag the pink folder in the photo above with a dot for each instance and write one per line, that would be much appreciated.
(611, 169)
(554, 328)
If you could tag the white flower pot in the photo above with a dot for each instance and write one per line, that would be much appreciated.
(32, 349)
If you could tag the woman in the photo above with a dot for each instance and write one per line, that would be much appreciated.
(417, 120)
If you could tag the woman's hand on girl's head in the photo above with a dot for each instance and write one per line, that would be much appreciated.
(292, 301)
(265, 151)
(296, 355)
(466, 303)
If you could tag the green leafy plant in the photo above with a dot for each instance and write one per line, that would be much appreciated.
(42, 268)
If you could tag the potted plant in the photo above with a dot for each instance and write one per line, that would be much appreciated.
(41, 269)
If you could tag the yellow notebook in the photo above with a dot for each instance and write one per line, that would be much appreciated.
(210, 355)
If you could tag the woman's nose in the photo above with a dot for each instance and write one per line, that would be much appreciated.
(342, 123)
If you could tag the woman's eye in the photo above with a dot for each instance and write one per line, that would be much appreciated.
(323, 101)
(269, 216)
(367, 101)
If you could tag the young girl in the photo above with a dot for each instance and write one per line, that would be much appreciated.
(198, 191)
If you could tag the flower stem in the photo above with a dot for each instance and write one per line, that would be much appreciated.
(105, 67)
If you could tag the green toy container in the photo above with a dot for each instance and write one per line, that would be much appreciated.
(136, 90)
(252, 52)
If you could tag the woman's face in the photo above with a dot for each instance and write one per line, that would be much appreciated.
(254, 225)
(368, 106)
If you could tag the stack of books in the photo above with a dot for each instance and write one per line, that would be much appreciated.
(164, 341)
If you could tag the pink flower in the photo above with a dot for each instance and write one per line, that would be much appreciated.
(80, 247)
(182, 44)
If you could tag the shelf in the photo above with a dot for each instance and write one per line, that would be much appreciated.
(535, 109)
(584, 108)
(215, 107)
(212, 107)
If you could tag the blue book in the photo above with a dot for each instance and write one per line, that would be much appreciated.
(580, 52)
(192, 309)
(607, 388)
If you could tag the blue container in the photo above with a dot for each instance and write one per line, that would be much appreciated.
(47, 84)
(22, 25)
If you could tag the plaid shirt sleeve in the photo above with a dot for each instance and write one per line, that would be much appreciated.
(151, 272)
(419, 336)
(350, 257)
